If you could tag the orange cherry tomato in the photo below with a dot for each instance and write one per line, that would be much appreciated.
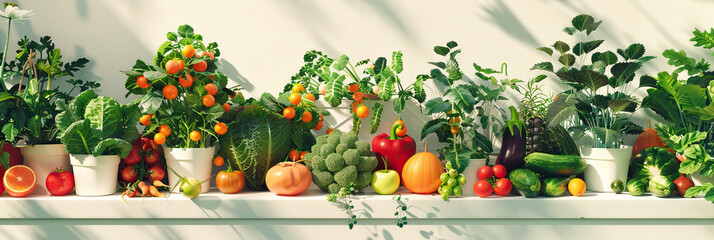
(226, 107)
(329, 131)
(170, 92)
(298, 88)
(211, 88)
(310, 97)
(188, 51)
(357, 96)
(289, 112)
(200, 66)
(302, 154)
(159, 138)
(353, 87)
(165, 129)
(142, 82)
(362, 111)
(195, 135)
(295, 98)
(185, 82)
(146, 119)
(218, 161)
(172, 66)
(182, 65)
(319, 125)
(220, 128)
(208, 101)
(294, 155)
(306, 116)
(210, 55)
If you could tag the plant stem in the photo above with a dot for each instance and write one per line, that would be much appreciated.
(4, 55)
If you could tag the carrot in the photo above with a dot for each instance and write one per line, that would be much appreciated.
(155, 192)
(124, 194)
(158, 184)
(144, 189)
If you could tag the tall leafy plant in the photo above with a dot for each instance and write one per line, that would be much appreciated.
(600, 99)
(464, 108)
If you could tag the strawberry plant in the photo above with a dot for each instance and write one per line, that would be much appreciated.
(339, 80)
(182, 90)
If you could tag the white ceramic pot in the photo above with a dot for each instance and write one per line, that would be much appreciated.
(190, 162)
(471, 178)
(95, 176)
(604, 166)
(43, 159)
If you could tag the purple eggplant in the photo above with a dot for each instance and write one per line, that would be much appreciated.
(513, 147)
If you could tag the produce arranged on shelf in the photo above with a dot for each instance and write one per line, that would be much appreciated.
(301, 113)
(19, 181)
(228, 181)
(525, 181)
(395, 149)
(656, 168)
(145, 163)
(453, 115)
(451, 183)
(492, 180)
(549, 175)
(385, 181)
(597, 103)
(422, 172)
(60, 182)
(182, 93)
(381, 84)
(288, 178)
(513, 147)
(341, 161)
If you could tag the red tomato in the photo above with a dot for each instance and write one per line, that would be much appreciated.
(499, 171)
(483, 188)
(485, 172)
(128, 174)
(157, 173)
(60, 182)
(134, 157)
(152, 157)
(683, 183)
(503, 187)
(288, 179)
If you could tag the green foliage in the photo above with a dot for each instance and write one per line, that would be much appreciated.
(586, 106)
(257, 139)
(96, 125)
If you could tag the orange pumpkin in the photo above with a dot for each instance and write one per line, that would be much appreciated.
(421, 173)
(230, 181)
(647, 139)
(288, 178)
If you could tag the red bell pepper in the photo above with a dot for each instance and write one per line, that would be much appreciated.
(396, 150)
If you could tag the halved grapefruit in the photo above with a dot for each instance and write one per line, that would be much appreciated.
(19, 181)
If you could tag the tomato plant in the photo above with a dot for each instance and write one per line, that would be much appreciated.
(186, 100)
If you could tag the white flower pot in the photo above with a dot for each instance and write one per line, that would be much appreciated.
(190, 162)
(95, 176)
(470, 174)
(43, 159)
(604, 166)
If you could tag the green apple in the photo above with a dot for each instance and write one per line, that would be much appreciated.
(190, 188)
(385, 181)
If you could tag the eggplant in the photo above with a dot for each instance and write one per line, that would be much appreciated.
(513, 147)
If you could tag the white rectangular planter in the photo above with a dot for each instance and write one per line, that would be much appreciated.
(604, 166)
(43, 159)
(95, 176)
(190, 162)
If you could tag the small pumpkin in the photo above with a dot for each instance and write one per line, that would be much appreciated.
(230, 181)
(647, 139)
(288, 178)
(421, 172)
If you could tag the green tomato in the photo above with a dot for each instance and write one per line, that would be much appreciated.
(453, 173)
(444, 177)
(452, 182)
(190, 188)
(617, 186)
(445, 196)
(458, 191)
(448, 165)
(447, 190)
(462, 179)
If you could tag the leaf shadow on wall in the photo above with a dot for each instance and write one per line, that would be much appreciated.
(502, 16)
(234, 76)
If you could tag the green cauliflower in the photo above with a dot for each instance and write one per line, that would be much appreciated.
(333, 188)
(363, 180)
(341, 148)
(317, 163)
(316, 149)
(363, 148)
(334, 162)
(321, 139)
(346, 176)
(367, 164)
(327, 149)
(351, 157)
(322, 179)
(334, 137)
(349, 139)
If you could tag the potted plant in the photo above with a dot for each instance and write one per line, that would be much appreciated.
(686, 106)
(463, 110)
(33, 108)
(596, 104)
(96, 131)
(182, 96)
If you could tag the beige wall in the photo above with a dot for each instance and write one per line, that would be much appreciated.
(262, 42)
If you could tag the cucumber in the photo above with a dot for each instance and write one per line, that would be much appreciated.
(555, 165)
(525, 181)
(555, 186)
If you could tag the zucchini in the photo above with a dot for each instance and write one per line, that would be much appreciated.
(525, 181)
(555, 186)
(555, 165)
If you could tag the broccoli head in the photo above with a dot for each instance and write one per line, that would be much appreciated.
(363, 180)
(363, 148)
(340, 149)
(351, 157)
(322, 179)
(367, 164)
(334, 162)
(346, 176)
(349, 139)
(327, 149)
(317, 163)
(316, 149)
(333, 188)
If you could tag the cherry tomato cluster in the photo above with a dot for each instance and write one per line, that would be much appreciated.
(296, 155)
(144, 162)
(451, 182)
(297, 98)
(492, 180)
(358, 107)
